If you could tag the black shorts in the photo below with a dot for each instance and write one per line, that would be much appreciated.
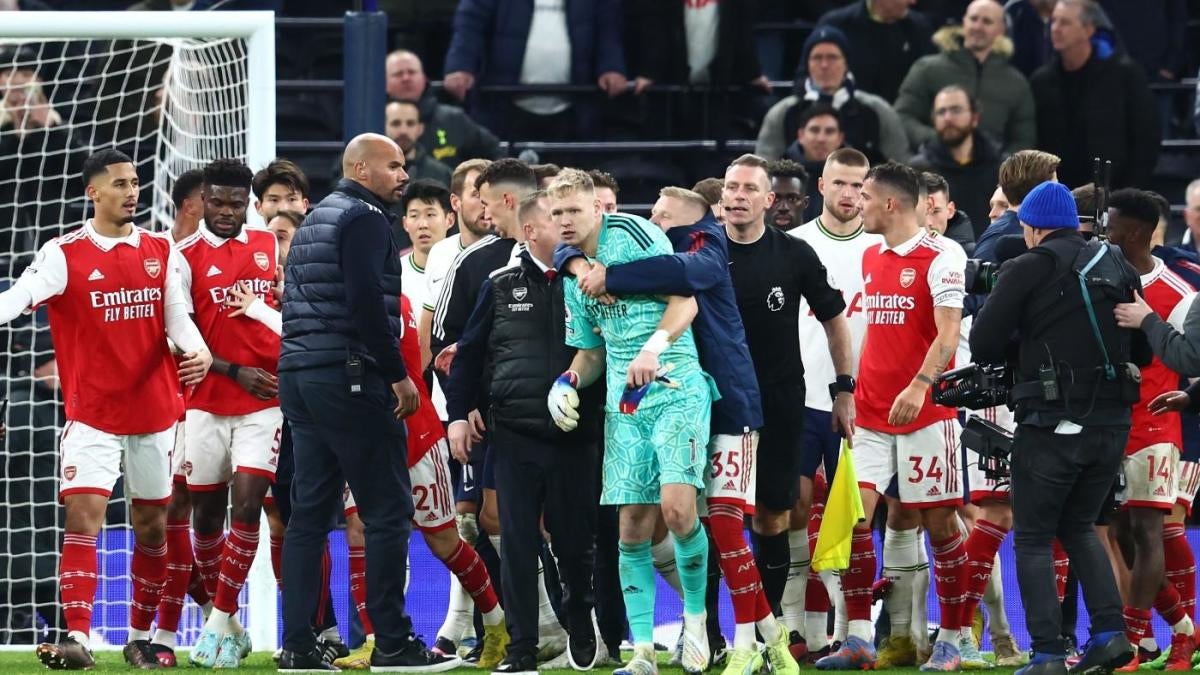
(780, 447)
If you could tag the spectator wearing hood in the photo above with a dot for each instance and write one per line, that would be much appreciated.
(868, 121)
(450, 136)
(888, 38)
(975, 57)
(961, 153)
(1091, 102)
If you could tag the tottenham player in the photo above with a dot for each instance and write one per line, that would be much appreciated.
(114, 296)
(426, 213)
(913, 287)
(233, 419)
(701, 268)
(280, 186)
(839, 240)
(656, 418)
(1151, 464)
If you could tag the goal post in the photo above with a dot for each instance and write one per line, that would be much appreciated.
(174, 90)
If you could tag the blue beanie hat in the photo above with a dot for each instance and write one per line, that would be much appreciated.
(1049, 206)
(821, 35)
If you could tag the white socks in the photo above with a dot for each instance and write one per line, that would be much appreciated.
(547, 619)
(833, 586)
(920, 598)
(135, 634)
(82, 638)
(458, 613)
(794, 591)
(900, 565)
(664, 562)
(993, 599)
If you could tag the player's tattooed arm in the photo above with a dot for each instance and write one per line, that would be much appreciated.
(908, 404)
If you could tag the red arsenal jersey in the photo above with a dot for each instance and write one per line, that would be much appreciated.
(1170, 297)
(107, 300)
(212, 265)
(901, 287)
(424, 426)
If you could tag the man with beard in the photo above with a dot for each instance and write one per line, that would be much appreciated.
(405, 125)
(963, 155)
(789, 182)
(838, 238)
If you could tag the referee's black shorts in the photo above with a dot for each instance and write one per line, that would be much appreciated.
(780, 447)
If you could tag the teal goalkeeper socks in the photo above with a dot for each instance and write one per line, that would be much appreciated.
(691, 559)
(638, 588)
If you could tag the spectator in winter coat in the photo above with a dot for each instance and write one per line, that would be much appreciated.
(1029, 29)
(888, 38)
(450, 137)
(547, 42)
(869, 123)
(1092, 103)
(975, 57)
(965, 157)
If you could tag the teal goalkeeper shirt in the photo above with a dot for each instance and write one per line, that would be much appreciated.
(627, 324)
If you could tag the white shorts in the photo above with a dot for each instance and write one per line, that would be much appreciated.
(984, 488)
(179, 455)
(732, 469)
(92, 461)
(1189, 483)
(925, 463)
(1151, 476)
(220, 445)
(433, 499)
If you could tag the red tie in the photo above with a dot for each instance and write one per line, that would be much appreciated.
(550, 275)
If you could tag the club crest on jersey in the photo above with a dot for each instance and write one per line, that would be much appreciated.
(153, 267)
(907, 276)
(69, 472)
(261, 259)
(776, 299)
(519, 293)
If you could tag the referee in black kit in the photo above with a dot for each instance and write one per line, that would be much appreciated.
(771, 272)
(344, 390)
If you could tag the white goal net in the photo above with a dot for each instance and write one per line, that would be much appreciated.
(173, 92)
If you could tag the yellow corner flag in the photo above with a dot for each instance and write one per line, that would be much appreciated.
(843, 510)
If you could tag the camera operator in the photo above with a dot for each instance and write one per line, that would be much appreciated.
(1073, 391)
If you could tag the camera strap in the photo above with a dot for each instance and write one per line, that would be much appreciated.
(1110, 373)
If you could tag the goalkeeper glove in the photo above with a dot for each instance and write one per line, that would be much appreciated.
(633, 395)
(563, 401)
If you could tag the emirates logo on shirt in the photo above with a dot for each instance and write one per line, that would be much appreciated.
(261, 259)
(153, 267)
(907, 276)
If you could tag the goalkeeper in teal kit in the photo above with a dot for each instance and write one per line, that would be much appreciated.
(657, 413)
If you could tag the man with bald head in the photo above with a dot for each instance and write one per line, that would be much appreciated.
(345, 391)
(450, 136)
(974, 57)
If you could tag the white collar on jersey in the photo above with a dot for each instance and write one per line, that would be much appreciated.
(109, 243)
(215, 240)
(1155, 272)
(904, 248)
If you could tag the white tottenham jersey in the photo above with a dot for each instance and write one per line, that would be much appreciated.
(414, 281)
(842, 256)
(437, 266)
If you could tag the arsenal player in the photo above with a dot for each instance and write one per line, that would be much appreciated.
(114, 295)
(1151, 464)
(233, 418)
(913, 286)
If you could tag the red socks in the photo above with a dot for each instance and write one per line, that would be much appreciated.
(1168, 606)
(148, 571)
(77, 580)
(982, 545)
(1062, 567)
(196, 590)
(725, 523)
(1137, 624)
(240, 547)
(208, 548)
(1181, 565)
(358, 586)
(277, 560)
(465, 564)
(856, 581)
(179, 573)
(949, 563)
